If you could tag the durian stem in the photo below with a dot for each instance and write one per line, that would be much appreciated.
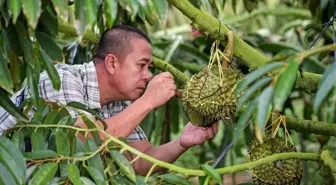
(328, 160)
(228, 52)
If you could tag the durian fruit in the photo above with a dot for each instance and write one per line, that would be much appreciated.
(282, 172)
(208, 96)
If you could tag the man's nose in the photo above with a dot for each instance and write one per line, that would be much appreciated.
(147, 75)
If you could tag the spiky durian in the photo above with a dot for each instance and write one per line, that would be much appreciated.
(282, 172)
(208, 96)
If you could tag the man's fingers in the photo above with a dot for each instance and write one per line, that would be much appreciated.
(167, 75)
(171, 86)
(178, 93)
(210, 133)
(214, 127)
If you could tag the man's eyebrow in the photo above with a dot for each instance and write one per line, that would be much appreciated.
(146, 60)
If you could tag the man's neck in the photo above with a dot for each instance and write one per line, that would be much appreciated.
(107, 93)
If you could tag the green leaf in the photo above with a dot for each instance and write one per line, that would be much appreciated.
(327, 72)
(30, 172)
(77, 146)
(32, 80)
(263, 104)
(212, 173)
(96, 161)
(18, 141)
(38, 142)
(10, 163)
(5, 176)
(42, 154)
(86, 181)
(51, 70)
(161, 8)
(61, 7)
(14, 40)
(252, 90)
(124, 165)
(97, 176)
(5, 77)
(328, 82)
(26, 43)
(50, 47)
(140, 180)
(15, 8)
(284, 85)
(74, 174)
(45, 173)
(146, 12)
(10, 107)
(48, 23)
(83, 107)
(110, 12)
(52, 118)
(251, 77)
(32, 10)
(14, 158)
(331, 109)
(91, 125)
(4, 43)
(175, 179)
(90, 9)
(121, 180)
(80, 16)
(62, 143)
(242, 121)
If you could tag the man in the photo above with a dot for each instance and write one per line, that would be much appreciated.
(118, 74)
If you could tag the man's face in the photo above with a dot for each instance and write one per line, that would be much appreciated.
(132, 74)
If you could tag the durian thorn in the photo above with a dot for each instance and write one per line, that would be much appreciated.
(231, 92)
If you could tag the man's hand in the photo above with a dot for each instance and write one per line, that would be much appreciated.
(159, 90)
(194, 135)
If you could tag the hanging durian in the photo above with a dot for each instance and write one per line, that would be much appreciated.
(208, 96)
(282, 172)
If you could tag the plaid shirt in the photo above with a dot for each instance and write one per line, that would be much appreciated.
(78, 83)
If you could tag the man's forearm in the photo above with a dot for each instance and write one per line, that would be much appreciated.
(168, 152)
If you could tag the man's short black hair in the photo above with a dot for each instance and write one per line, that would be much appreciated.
(117, 40)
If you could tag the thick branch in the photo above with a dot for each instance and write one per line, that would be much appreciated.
(298, 13)
(242, 50)
(165, 66)
(311, 126)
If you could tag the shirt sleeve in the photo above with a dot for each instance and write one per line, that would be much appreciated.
(137, 135)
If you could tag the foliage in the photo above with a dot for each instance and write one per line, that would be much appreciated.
(37, 34)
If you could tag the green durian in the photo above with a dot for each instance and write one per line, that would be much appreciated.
(282, 172)
(208, 96)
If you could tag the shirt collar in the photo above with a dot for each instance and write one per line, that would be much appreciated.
(90, 82)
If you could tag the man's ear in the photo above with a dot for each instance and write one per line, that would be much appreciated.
(110, 63)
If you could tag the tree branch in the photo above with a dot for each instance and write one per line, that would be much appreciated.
(242, 50)
(299, 13)
(328, 160)
(310, 126)
(171, 167)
